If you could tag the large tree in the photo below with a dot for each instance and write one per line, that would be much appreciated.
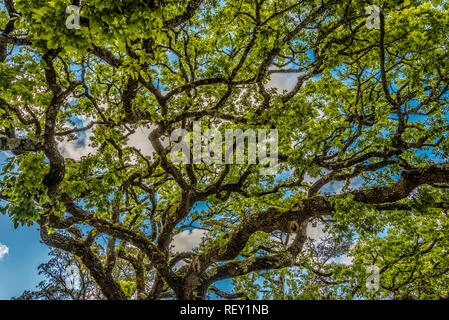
(66, 278)
(362, 142)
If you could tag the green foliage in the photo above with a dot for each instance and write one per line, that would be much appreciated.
(362, 120)
(21, 183)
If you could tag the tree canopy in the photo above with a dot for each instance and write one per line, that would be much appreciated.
(57, 283)
(362, 135)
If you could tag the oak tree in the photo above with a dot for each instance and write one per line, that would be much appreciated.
(362, 154)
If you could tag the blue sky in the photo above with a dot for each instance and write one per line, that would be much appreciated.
(18, 268)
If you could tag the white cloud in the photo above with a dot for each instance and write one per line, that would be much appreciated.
(315, 231)
(188, 240)
(310, 180)
(81, 147)
(283, 81)
(4, 250)
(76, 149)
(139, 139)
(345, 260)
